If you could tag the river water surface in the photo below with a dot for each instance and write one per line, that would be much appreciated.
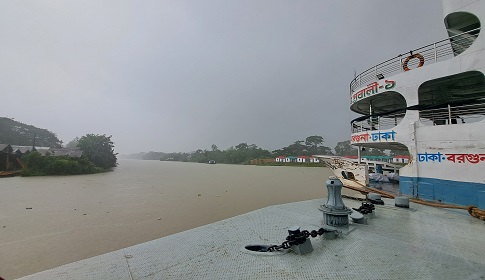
(50, 221)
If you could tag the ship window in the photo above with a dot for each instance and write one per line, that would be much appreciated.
(463, 28)
(455, 99)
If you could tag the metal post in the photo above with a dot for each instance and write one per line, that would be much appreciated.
(358, 154)
(449, 114)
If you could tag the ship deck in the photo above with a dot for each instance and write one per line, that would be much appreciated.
(416, 243)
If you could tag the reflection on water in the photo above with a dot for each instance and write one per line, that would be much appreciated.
(49, 221)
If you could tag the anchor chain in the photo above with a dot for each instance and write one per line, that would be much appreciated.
(366, 208)
(295, 239)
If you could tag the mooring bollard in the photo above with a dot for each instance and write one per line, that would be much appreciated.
(335, 213)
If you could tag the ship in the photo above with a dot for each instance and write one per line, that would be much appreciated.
(430, 103)
(406, 103)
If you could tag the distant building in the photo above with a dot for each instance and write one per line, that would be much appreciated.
(72, 152)
(292, 159)
(297, 159)
(10, 155)
(314, 160)
(5, 158)
(301, 159)
(401, 159)
(281, 159)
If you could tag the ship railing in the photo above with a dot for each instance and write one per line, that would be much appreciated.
(377, 122)
(444, 115)
(432, 53)
(469, 113)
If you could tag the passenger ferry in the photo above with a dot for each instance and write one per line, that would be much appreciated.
(431, 102)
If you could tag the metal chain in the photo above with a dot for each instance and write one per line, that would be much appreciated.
(366, 208)
(300, 238)
(295, 239)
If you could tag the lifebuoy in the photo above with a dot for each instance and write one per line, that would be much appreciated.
(416, 55)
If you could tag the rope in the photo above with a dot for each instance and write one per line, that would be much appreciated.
(475, 212)
(472, 210)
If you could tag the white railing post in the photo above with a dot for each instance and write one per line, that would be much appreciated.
(449, 114)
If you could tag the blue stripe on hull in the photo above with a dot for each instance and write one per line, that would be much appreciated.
(455, 192)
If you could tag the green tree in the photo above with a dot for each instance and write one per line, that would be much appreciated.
(17, 133)
(296, 149)
(322, 150)
(311, 146)
(99, 149)
(242, 146)
(345, 149)
(198, 156)
(72, 143)
(314, 141)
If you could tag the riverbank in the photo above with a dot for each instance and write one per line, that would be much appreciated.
(53, 220)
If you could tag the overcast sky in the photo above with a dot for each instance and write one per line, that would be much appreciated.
(181, 75)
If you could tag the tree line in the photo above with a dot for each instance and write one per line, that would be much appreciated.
(244, 153)
(17, 133)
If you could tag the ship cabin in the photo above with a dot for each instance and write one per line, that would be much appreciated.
(430, 102)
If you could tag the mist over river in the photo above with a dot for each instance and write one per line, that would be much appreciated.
(50, 221)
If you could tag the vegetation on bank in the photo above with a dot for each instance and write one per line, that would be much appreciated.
(246, 153)
(17, 133)
(98, 156)
(99, 149)
(39, 165)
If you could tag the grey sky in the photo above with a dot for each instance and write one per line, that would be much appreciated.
(182, 75)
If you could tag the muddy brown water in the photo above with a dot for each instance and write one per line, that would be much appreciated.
(49, 221)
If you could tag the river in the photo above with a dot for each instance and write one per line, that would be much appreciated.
(50, 221)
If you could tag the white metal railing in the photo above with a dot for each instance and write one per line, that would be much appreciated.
(446, 115)
(378, 122)
(439, 51)
(453, 115)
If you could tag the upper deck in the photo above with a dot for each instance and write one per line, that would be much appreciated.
(452, 93)
(365, 83)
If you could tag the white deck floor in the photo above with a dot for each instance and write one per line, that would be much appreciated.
(417, 243)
